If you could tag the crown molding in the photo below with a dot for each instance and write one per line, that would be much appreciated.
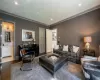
(87, 11)
(17, 16)
(54, 24)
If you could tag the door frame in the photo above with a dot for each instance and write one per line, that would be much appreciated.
(1, 37)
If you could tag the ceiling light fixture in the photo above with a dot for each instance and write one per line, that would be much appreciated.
(80, 5)
(37, 12)
(51, 19)
(16, 3)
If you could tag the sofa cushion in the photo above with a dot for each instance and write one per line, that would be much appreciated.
(64, 53)
(65, 48)
(73, 54)
(70, 48)
(56, 50)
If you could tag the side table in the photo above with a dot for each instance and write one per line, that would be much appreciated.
(90, 52)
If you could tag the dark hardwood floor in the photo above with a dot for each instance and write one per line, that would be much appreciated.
(5, 71)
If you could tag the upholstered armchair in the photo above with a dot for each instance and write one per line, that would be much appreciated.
(92, 68)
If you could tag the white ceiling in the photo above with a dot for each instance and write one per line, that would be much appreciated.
(47, 11)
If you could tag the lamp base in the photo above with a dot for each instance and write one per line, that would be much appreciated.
(87, 46)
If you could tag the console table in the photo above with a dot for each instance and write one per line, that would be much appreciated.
(29, 47)
(89, 52)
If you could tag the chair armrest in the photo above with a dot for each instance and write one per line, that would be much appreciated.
(87, 59)
(92, 66)
(30, 53)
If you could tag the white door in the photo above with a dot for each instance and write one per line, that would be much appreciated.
(48, 40)
(7, 43)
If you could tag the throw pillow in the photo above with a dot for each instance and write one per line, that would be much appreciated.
(65, 48)
(56, 47)
(75, 49)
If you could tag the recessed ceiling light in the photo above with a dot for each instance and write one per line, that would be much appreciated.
(37, 12)
(16, 3)
(51, 19)
(79, 4)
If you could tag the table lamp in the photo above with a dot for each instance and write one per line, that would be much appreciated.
(87, 40)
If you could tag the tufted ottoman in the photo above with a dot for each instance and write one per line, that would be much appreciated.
(52, 62)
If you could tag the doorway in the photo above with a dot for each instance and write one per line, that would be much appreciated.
(7, 41)
(51, 39)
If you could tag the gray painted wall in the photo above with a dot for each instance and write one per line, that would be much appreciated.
(72, 31)
(19, 25)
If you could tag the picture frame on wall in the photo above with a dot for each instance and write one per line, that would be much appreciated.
(54, 36)
(28, 35)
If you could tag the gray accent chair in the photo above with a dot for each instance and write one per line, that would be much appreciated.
(93, 70)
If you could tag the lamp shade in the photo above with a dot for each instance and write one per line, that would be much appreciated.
(87, 39)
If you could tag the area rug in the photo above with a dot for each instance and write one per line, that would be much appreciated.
(75, 69)
(39, 73)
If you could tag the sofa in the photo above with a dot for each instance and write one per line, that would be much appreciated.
(69, 53)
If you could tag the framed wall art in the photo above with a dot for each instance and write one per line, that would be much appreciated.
(28, 35)
(54, 36)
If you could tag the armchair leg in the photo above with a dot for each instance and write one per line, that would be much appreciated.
(54, 77)
(23, 66)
